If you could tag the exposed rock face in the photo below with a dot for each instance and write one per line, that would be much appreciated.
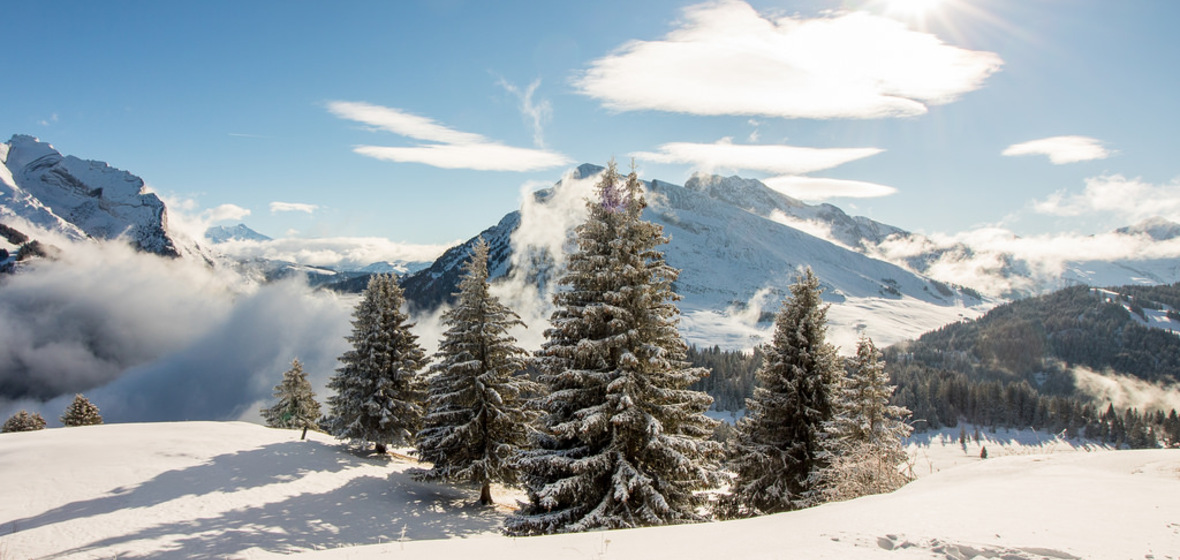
(73, 196)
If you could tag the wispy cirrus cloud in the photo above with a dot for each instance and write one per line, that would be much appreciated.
(724, 154)
(537, 113)
(447, 148)
(822, 188)
(1061, 149)
(727, 59)
(276, 207)
(402, 123)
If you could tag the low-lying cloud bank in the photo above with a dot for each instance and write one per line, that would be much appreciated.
(1123, 391)
(348, 253)
(999, 263)
(152, 339)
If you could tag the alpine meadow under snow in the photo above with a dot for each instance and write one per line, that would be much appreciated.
(238, 490)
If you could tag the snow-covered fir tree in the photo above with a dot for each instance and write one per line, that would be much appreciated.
(477, 420)
(624, 442)
(296, 407)
(23, 421)
(81, 412)
(379, 391)
(775, 451)
(862, 444)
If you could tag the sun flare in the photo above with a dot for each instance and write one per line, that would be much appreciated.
(913, 8)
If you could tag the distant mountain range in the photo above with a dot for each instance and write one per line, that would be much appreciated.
(738, 243)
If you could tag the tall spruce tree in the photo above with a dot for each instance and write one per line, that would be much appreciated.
(378, 389)
(776, 451)
(477, 421)
(862, 444)
(624, 442)
(296, 407)
(81, 412)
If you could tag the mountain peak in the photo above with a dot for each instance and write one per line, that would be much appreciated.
(1157, 228)
(587, 170)
(92, 197)
(749, 194)
(240, 232)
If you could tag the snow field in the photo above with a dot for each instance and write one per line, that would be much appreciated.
(237, 490)
(209, 489)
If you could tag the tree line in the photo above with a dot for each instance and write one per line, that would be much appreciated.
(611, 430)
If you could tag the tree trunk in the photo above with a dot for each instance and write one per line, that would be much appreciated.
(304, 436)
(485, 494)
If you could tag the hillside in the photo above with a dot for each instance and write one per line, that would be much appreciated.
(1129, 330)
(236, 490)
(737, 250)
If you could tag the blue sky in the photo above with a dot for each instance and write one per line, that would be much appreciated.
(423, 121)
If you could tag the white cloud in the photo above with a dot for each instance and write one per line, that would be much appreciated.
(1130, 200)
(293, 207)
(480, 157)
(449, 148)
(186, 218)
(1124, 391)
(1061, 149)
(770, 158)
(346, 252)
(538, 113)
(819, 188)
(402, 123)
(226, 212)
(726, 59)
(1000, 263)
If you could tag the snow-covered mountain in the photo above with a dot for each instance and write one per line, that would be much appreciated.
(221, 234)
(80, 199)
(737, 253)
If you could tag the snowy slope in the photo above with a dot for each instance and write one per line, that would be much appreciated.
(234, 490)
(68, 195)
(240, 232)
(737, 257)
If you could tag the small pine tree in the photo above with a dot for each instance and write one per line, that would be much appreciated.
(23, 422)
(378, 390)
(81, 412)
(296, 407)
(624, 441)
(776, 451)
(476, 421)
(862, 443)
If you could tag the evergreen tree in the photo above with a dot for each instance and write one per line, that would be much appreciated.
(862, 444)
(776, 453)
(81, 412)
(296, 407)
(378, 390)
(624, 442)
(476, 421)
(23, 422)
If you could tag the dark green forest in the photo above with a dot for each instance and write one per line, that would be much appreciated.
(1012, 367)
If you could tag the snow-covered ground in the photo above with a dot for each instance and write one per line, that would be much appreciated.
(237, 490)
